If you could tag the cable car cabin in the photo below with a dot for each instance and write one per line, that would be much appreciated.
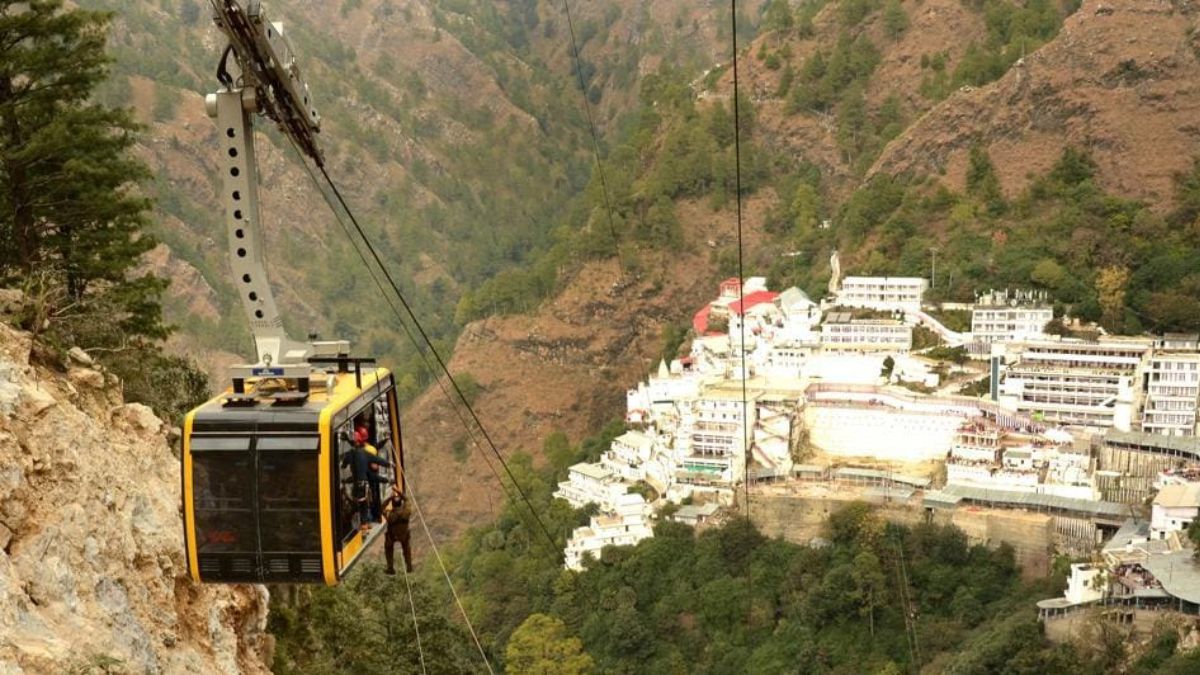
(269, 489)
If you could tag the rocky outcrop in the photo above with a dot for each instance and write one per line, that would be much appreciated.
(92, 569)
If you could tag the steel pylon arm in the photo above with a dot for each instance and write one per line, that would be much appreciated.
(268, 65)
(266, 82)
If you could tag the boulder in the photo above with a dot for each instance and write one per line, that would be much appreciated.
(139, 418)
(86, 378)
(79, 356)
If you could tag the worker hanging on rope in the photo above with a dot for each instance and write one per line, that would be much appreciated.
(397, 512)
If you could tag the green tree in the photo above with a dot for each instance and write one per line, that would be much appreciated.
(778, 16)
(541, 646)
(1048, 274)
(895, 19)
(557, 449)
(1111, 285)
(69, 209)
(869, 585)
(806, 206)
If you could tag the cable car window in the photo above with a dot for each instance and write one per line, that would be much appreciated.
(383, 420)
(220, 443)
(346, 507)
(290, 443)
(289, 507)
(223, 488)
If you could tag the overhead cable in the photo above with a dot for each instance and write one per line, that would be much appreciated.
(587, 109)
(737, 172)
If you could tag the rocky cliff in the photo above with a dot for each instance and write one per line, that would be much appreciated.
(92, 571)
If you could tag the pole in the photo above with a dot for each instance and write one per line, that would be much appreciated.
(933, 250)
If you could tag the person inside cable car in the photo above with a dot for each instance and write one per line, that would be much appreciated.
(375, 478)
(367, 480)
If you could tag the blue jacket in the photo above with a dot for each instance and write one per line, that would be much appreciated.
(361, 459)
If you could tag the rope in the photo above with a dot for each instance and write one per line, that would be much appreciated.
(449, 582)
(416, 626)
(440, 361)
(411, 338)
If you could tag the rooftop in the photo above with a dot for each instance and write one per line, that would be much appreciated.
(889, 280)
(700, 320)
(1159, 442)
(593, 471)
(1175, 496)
(1178, 573)
(794, 296)
(635, 439)
(751, 300)
(694, 511)
(1033, 500)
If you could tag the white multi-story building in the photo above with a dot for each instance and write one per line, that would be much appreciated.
(712, 355)
(762, 317)
(591, 484)
(785, 360)
(712, 436)
(1174, 509)
(974, 455)
(1002, 316)
(629, 454)
(1172, 394)
(1069, 474)
(892, 294)
(1087, 384)
(976, 442)
(840, 333)
(625, 526)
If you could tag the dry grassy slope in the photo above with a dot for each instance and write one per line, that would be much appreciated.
(1141, 121)
(935, 25)
(690, 36)
(182, 150)
(565, 366)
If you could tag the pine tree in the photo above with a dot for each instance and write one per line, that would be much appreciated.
(69, 211)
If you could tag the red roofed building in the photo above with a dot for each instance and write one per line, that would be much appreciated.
(700, 320)
(731, 287)
(756, 298)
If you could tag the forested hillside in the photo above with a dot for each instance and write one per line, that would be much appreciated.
(457, 128)
(874, 597)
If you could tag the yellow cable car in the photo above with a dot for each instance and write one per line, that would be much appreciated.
(269, 488)
(274, 488)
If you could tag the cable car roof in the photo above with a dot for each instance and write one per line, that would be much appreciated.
(265, 414)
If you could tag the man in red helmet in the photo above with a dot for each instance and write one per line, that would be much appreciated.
(366, 461)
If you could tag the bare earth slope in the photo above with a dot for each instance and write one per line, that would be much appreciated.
(91, 550)
(564, 366)
(1121, 80)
